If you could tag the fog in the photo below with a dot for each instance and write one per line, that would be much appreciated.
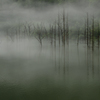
(12, 13)
(26, 63)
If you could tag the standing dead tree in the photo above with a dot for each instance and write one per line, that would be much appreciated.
(98, 45)
(64, 28)
(55, 33)
(87, 30)
(78, 34)
(59, 35)
(63, 38)
(51, 34)
(39, 33)
(93, 46)
(67, 30)
(87, 40)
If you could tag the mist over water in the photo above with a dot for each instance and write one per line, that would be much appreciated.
(30, 70)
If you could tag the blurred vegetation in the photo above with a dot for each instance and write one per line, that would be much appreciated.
(60, 1)
(38, 3)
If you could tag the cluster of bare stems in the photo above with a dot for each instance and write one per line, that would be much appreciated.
(59, 31)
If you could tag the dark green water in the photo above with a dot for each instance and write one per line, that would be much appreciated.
(29, 73)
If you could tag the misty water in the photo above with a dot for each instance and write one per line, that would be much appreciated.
(31, 71)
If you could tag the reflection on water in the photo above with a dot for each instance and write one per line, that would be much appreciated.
(27, 71)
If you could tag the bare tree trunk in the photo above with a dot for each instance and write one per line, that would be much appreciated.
(85, 37)
(55, 45)
(93, 47)
(59, 41)
(90, 35)
(67, 31)
(87, 63)
(98, 46)
(64, 40)
(67, 39)
(87, 33)
(64, 27)
(52, 32)
(78, 38)
(87, 30)
(78, 47)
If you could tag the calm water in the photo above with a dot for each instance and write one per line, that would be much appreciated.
(29, 72)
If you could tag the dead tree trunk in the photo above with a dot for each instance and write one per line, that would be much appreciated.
(64, 39)
(59, 34)
(98, 46)
(93, 47)
(87, 30)
(55, 44)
